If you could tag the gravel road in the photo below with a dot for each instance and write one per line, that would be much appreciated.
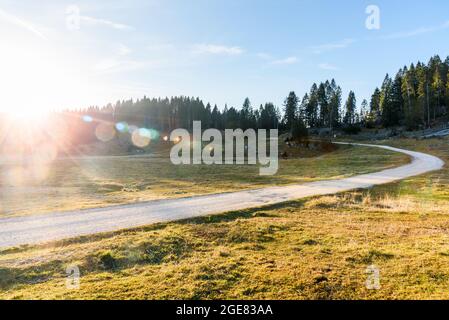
(16, 231)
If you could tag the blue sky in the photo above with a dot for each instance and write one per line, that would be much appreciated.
(58, 54)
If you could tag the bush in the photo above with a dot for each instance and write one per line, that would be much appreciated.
(352, 129)
(165, 249)
(299, 131)
(108, 261)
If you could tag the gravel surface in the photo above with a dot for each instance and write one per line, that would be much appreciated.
(16, 231)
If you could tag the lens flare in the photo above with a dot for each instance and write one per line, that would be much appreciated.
(122, 127)
(87, 118)
(105, 132)
(141, 138)
(132, 129)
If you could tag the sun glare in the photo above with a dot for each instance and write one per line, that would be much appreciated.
(39, 76)
(27, 114)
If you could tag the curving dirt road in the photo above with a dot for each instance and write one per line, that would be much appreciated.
(55, 226)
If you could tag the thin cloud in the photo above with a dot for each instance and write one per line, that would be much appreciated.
(217, 49)
(21, 23)
(327, 66)
(123, 50)
(114, 65)
(288, 60)
(104, 22)
(417, 32)
(264, 56)
(160, 47)
(332, 46)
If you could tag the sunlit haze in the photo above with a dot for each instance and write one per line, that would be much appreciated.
(61, 54)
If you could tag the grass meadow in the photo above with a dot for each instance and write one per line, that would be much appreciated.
(316, 248)
(73, 183)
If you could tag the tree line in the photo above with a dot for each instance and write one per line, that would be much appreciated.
(416, 97)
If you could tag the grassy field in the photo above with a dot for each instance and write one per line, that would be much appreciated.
(317, 248)
(86, 182)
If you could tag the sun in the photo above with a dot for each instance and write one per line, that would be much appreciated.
(26, 114)
(38, 76)
(31, 115)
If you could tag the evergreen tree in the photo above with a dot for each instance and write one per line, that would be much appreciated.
(216, 118)
(334, 104)
(386, 103)
(299, 130)
(375, 105)
(246, 115)
(447, 89)
(350, 108)
(438, 89)
(396, 100)
(412, 110)
(423, 91)
(312, 107)
(364, 112)
(302, 111)
(291, 109)
(323, 104)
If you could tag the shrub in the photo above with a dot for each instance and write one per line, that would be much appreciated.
(108, 261)
(352, 129)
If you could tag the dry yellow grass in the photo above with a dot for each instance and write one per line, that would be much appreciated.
(88, 182)
(318, 248)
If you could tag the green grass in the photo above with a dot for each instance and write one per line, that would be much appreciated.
(317, 248)
(86, 182)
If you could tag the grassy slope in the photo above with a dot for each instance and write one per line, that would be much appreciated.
(101, 181)
(317, 248)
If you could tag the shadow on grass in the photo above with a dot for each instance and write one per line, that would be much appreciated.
(217, 218)
(10, 277)
(155, 252)
(243, 214)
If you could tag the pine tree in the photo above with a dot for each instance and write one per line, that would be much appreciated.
(447, 89)
(216, 118)
(268, 116)
(291, 109)
(302, 110)
(396, 100)
(438, 89)
(364, 112)
(323, 104)
(299, 130)
(389, 118)
(312, 107)
(350, 107)
(412, 110)
(423, 91)
(375, 105)
(334, 105)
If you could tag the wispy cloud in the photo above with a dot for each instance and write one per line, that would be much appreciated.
(123, 50)
(417, 32)
(288, 60)
(21, 23)
(115, 65)
(160, 47)
(332, 46)
(103, 22)
(264, 56)
(122, 61)
(217, 49)
(327, 66)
